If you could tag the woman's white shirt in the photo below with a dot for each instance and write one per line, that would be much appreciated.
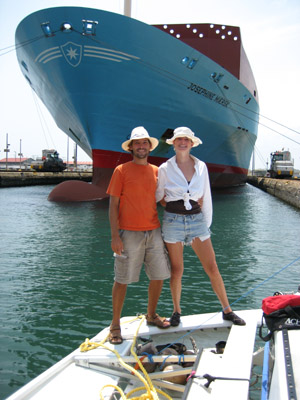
(173, 186)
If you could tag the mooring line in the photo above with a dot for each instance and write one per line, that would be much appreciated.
(266, 280)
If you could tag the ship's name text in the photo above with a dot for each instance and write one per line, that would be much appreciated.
(208, 94)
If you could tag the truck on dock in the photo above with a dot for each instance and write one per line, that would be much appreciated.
(50, 162)
(282, 165)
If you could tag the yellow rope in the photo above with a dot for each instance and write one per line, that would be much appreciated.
(115, 387)
(151, 391)
(145, 396)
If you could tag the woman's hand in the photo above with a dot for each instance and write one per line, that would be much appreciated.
(200, 202)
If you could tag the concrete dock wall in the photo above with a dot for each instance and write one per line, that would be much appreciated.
(285, 189)
(14, 179)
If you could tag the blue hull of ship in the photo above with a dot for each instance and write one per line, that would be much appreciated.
(99, 86)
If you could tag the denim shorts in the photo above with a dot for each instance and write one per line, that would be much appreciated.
(142, 247)
(184, 228)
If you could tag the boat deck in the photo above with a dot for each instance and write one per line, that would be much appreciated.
(83, 375)
(236, 374)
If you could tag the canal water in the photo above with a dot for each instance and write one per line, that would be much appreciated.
(56, 271)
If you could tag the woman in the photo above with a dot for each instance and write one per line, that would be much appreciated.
(182, 181)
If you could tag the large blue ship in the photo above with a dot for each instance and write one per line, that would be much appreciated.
(101, 74)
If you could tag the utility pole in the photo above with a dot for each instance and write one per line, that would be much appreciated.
(68, 154)
(20, 154)
(6, 150)
(75, 156)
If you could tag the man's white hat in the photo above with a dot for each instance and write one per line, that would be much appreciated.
(184, 132)
(139, 133)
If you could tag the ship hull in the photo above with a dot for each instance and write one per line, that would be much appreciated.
(100, 84)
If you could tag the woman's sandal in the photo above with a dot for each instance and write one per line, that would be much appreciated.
(114, 336)
(235, 319)
(159, 322)
(175, 319)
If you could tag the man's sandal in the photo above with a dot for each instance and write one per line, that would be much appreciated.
(159, 322)
(114, 336)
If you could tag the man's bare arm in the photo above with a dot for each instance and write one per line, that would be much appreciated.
(116, 242)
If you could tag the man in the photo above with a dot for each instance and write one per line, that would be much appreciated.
(135, 230)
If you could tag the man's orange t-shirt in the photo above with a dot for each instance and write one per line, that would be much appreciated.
(135, 185)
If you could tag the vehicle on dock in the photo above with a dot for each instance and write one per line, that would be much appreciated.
(50, 162)
(282, 165)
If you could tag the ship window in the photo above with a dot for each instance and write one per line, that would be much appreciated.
(216, 77)
(185, 60)
(247, 98)
(66, 27)
(24, 65)
(89, 27)
(46, 29)
(192, 63)
(211, 26)
(178, 35)
(188, 26)
(195, 30)
(172, 31)
(217, 31)
(229, 33)
(235, 38)
(201, 35)
(223, 27)
(223, 37)
(28, 80)
(165, 26)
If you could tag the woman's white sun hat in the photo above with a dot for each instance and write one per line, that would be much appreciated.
(184, 132)
(139, 133)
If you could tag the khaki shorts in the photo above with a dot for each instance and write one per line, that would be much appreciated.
(142, 247)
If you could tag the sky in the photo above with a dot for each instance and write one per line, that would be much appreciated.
(270, 32)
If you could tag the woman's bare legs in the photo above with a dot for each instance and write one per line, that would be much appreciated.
(175, 251)
(205, 252)
(206, 255)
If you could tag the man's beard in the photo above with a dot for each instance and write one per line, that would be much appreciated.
(141, 156)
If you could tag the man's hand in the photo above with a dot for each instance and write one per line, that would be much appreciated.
(117, 245)
(163, 202)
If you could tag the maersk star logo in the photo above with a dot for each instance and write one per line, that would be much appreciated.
(72, 53)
